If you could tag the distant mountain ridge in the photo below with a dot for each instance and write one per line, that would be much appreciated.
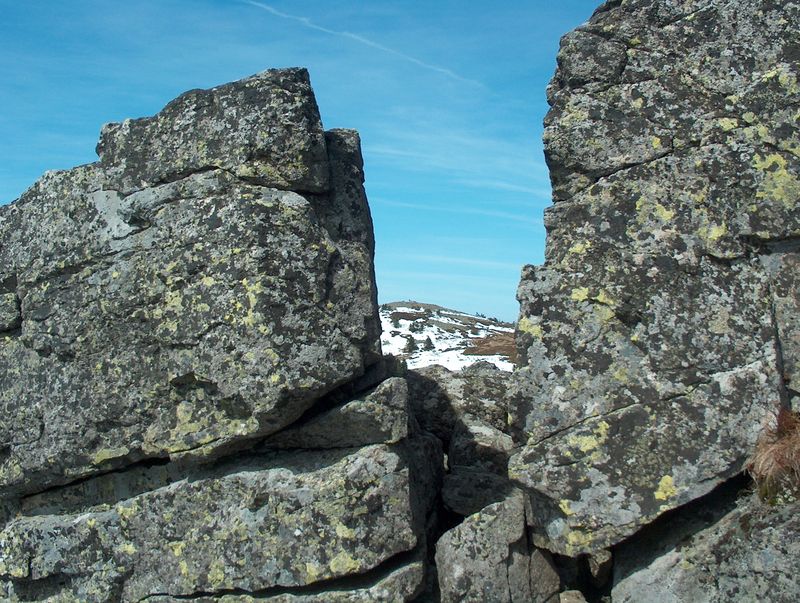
(425, 334)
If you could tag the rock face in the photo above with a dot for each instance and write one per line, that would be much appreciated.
(489, 558)
(467, 411)
(170, 300)
(752, 553)
(662, 329)
(194, 405)
(192, 397)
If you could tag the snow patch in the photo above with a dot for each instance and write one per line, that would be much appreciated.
(421, 342)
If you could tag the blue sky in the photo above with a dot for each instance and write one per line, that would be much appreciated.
(448, 97)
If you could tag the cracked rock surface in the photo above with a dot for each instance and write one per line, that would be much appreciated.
(752, 553)
(489, 558)
(193, 405)
(197, 309)
(661, 330)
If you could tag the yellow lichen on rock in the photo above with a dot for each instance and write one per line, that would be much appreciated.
(666, 488)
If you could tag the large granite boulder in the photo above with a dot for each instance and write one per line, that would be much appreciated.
(188, 292)
(193, 404)
(661, 330)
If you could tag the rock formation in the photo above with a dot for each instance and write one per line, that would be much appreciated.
(194, 404)
(661, 332)
(191, 385)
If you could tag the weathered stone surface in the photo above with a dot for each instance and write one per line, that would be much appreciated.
(441, 398)
(192, 396)
(653, 336)
(265, 129)
(380, 417)
(488, 558)
(571, 596)
(171, 302)
(467, 411)
(784, 268)
(401, 584)
(278, 520)
(752, 554)
(476, 445)
(340, 523)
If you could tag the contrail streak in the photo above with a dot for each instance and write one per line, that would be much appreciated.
(306, 22)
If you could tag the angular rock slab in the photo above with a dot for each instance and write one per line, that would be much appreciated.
(752, 554)
(488, 558)
(652, 337)
(270, 523)
(381, 416)
(170, 301)
(264, 128)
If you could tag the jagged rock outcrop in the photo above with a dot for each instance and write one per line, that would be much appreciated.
(194, 406)
(170, 301)
(751, 554)
(192, 396)
(661, 331)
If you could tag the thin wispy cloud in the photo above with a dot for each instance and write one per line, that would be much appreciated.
(502, 185)
(476, 160)
(460, 261)
(462, 210)
(451, 277)
(308, 23)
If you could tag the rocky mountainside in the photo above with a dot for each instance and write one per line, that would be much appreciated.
(194, 404)
(426, 334)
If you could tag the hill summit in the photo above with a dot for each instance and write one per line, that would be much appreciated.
(426, 334)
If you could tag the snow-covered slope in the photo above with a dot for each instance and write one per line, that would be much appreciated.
(425, 334)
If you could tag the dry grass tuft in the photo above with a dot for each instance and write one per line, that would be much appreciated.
(775, 465)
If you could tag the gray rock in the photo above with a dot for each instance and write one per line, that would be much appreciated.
(172, 303)
(783, 266)
(476, 445)
(280, 520)
(192, 395)
(440, 398)
(399, 585)
(466, 490)
(379, 417)
(334, 524)
(467, 411)
(752, 554)
(10, 316)
(571, 596)
(264, 129)
(488, 558)
(653, 337)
